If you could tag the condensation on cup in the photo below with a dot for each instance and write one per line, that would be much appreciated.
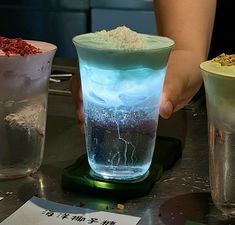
(122, 74)
(219, 79)
(23, 109)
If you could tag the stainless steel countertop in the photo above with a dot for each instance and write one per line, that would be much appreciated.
(186, 184)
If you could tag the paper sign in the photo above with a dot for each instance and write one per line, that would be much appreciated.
(38, 211)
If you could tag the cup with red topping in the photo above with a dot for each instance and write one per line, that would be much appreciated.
(25, 67)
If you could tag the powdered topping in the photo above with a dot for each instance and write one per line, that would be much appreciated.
(27, 118)
(225, 59)
(17, 46)
(122, 37)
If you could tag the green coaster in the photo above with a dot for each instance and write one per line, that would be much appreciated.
(77, 177)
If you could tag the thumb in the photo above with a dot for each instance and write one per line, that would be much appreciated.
(166, 107)
(170, 99)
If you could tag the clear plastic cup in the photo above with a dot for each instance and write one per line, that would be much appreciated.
(220, 97)
(23, 110)
(121, 91)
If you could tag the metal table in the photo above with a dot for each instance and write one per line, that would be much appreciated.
(184, 187)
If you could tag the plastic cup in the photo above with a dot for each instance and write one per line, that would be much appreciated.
(220, 98)
(121, 91)
(23, 110)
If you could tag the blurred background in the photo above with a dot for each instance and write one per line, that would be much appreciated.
(58, 21)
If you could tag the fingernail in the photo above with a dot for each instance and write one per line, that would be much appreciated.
(166, 110)
(80, 115)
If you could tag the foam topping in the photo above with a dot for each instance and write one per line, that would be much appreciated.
(122, 38)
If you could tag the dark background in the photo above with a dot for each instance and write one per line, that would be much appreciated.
(58, 21)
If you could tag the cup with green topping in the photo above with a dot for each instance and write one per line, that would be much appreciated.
(219, 80)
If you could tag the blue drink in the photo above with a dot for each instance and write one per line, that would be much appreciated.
(121, 95)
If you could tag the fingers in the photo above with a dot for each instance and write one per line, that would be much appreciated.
(166, 108)
(80, 113)
(182, 82)
(176, 94)
(80, 117)
(75, 87)
(170, 98)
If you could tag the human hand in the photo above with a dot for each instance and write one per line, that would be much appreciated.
(183, 80)
(191, 28)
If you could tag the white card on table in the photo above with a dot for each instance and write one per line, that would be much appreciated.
(38, 211)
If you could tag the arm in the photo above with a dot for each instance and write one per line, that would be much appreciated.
(189, 23)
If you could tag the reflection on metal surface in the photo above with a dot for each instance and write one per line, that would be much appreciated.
(196, 207)
(59, 92)
(41, 185)
(64, 144)
(62, 71)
